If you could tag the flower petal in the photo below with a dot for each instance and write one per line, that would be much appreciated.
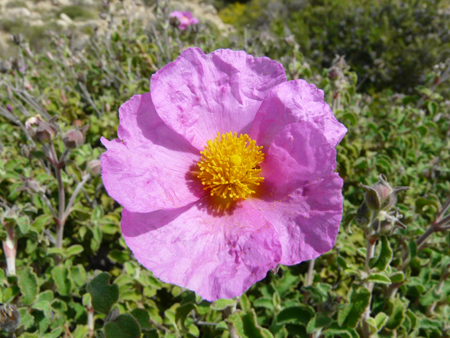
(298, 154)
(301, 196)
(217, 256)
(306, 218)
(148, 167)
(200, 95)
(294, 102)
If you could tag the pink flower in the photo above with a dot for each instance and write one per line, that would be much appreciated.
(185, 19)
(286, 202)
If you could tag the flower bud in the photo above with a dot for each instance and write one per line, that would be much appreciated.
(381, 196)
(75, 138)
(94, 167)
(40, 130)
(9, 318)
(9, 107)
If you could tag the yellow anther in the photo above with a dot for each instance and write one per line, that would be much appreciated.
(229, 166)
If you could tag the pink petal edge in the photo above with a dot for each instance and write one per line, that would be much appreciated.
(217, 257)
(200, 95)
(147, 167)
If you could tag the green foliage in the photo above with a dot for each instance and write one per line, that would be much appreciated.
(387, 43)
(78, 12)
(103, 294)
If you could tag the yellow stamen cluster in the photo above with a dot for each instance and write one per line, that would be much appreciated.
(229, 166)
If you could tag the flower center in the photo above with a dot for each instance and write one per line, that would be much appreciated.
(229, 166)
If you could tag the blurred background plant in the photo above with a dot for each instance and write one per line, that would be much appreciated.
(66, 271)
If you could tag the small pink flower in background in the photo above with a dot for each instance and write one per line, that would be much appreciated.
(185, 19)
(225, 170)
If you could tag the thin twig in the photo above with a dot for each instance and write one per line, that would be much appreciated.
(74, 195)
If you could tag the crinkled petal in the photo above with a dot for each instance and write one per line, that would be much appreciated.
(200, 95)
(147, 167)
(306, 218)
(217, 256)
(294, 102)
(301, 195)
(299, 153)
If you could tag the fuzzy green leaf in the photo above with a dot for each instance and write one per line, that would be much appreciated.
(352, 313)
(384, 257)
(246, 325)
(74, 250)
(396, 312)
(103, 294)
(317, 323)
(125, 326)
(28, 284)
(379, 278)
(60, 275)
(181, 314)
(143, 318)
(296, 314)
(222, 304)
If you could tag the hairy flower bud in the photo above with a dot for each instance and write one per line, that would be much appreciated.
(381, 196)
(40, 130)
(9, 318)
(75, 137)
(94, 167)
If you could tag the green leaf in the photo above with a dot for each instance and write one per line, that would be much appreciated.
(396, 312)
(142, 317)
(78, 275)
(23, 223)
(318, 323)
(334, 330)
(296, 314)
(119, 256)
(380, 320)
(104, 295)
(60, 275)
(378, 278)
(28, 284)
(244, 303)
(125, 326)
(246, 325)
(26, 320)
(412, 247)
(181, 313)
(372, 325)
(352, 313)
(384, 257)
(74, 250)
(397, 277)
(413, 319)
(222, 304)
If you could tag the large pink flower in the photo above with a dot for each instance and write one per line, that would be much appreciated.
(286, 202)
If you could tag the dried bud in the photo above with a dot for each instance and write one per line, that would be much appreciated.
(94, 167)
(17, 38)
(40, 130)
(9, 318)
(381, 196)
(334, 73)
(363, 215)
(75, 137)
(5, 66)
(174, 21)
